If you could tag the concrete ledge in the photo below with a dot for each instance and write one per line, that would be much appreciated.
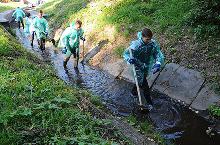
(115, 69)
(184, 85)
(204, 99)
(94, 51)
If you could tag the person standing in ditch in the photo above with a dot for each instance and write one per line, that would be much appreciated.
(32, 30)
(28, 21)
(70, 41)
(147, 58)
(19, 15)
(41, 30)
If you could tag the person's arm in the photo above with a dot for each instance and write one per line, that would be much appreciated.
(158, 55)
(14, 13)
(23, 13)
(159, 58)
(35, 23)
(66, 40)
(81, 36)
(126, 54)
(127, 57)
(46, 26)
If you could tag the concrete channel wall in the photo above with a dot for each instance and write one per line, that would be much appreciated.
(179, 83)
(182, 84)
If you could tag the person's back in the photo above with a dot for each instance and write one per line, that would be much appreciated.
(32, 20)
(19, 15)
(63, 37)
(28, 22)
(74, 37)
(41, 27)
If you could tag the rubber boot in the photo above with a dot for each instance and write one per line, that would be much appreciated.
(64, 64)
(147, 92)
(134, 91)
(76, 63)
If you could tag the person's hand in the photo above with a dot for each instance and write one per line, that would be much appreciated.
(46, 33)
(64, 50)
(132, 60)
(83, 39)
(156, 68)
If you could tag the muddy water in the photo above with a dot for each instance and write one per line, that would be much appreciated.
(177, 123)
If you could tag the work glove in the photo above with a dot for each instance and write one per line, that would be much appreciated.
(83, 39)
(156, 68)
(143, 66)
(64, 50)
(46, 33)
(132, 60)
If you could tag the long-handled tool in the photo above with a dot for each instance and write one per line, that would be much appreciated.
(83, 55)
(142, 107)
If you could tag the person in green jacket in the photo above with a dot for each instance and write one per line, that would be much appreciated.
(27, 25)
(70, 41)
(19, 15)
(41, 30)
(147, 59)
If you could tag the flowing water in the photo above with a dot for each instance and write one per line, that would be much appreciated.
(177, 123)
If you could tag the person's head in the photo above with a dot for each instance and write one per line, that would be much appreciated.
(78, 24)
(40, 15)
(28, 15)
(146, 35)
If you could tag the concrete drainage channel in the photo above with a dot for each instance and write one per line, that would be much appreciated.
(177, 123)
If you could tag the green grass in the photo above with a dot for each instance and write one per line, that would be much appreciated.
(146, 128)
(116, 20)
(37, 107)
(119, 51)
(5, 8)
(214, 110)
(10, 6)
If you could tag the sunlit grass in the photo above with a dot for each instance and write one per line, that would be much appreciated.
(37, 107)
(120, 20)
(125, 17)
(50, 5)
(10, 5)
(5, 8)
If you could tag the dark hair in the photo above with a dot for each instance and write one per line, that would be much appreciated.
(147, 33)
(79, 22)
(28, 14)
(41, 11)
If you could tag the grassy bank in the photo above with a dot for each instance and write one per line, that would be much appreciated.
(37, 107)
(178, 25)
(4, 8)
(10, 6)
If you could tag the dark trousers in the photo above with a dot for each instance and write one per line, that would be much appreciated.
(21, 22)
(41, 43)
(76, 57)
(32, 38)
(146, 90)
(75, 54)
